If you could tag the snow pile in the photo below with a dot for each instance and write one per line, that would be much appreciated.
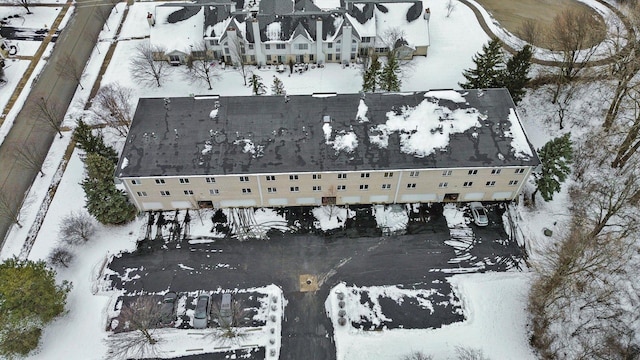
(425, 128)
(450, 95)
(361, 115)
(519, 143)
(347, 141)
(331, 217)
(391, 218)
(125, 163)
(249, 147)
(207, 148)
(455, 217)
(326, 128)
(213, 113)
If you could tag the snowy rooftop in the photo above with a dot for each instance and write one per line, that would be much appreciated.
(265, 134)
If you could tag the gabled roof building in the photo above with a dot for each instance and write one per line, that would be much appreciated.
(431, 146)
(283, 31)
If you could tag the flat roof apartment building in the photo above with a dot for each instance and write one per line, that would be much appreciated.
(433, 146)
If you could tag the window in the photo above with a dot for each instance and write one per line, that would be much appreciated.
(214, 192)
(165, 193)
(338, 56)
(495, 171)
(271, 178)
(198, 54)
(142, 193)
(311, 58)
(271, 190)
(364, 187)
(210, 180)
(467, 183)
(293, 177)
(414, 173)
(246, 191)
(443, 184)
(317, 188)
(214, 42)
(329, 45)
(188, 192)
(183, 180)
(294, 189)
(244, 178)
(491, 183)
(267, 47)
(268, 57)
(226, 50)
(302, 46)
(159, 181)
(366, 39)
(388, 174)
(281, 46)
(250, 46)
(520, 171)
(513, 182)
(135, 182)
(386, 186)
(174, 58)
(342, 176)
(342, 187)
(365, 175)
(447, 173)
(329, 57)
(411, 186)
(472, 172)
(317, 176)
(354, 48)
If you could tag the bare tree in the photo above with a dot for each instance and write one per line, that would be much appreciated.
(139, 317)
(630, 143)
(77, 228)
(67, 67)
(572, 36)
(466, 353)
(144, 66)
(529, 31)
(237, 53)
(60, 257)
(450, 7)
(200, 66)
(47, 111)
(112, 107)
(28, 156)
(416, 355)
(26, 4)
(10, 206)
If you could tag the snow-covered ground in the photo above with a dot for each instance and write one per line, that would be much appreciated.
(493, 304)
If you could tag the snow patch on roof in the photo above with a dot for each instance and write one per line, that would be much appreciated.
(125, 163)
(327, 4)
(326, 128)
(249, 147)
(368, 29)
(519, 143)
(274, 30)
(425, 128)
(450, 95)
(213, 113)
(361, 116)
(345, 141)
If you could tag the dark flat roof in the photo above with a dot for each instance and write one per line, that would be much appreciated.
(179, 136)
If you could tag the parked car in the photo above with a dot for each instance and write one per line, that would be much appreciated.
(168, 308)
(226, 314)
(201, 314)
(479, 214)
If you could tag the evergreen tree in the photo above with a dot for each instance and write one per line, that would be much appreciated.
(515, 76)
(277, 88)
(256, 84)
(370, 75)
(555, 157)
(103, 200)
(90, 143)
(30, 298)
(388, 79)
(489, 65)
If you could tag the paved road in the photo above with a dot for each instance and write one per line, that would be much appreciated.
(421, 259)
(77, 38)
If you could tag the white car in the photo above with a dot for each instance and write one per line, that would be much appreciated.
(479, 214)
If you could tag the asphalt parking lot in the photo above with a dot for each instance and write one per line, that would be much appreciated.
(419, 259)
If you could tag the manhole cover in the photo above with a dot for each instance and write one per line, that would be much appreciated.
(308, 283)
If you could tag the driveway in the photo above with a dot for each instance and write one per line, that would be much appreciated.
(419, 260)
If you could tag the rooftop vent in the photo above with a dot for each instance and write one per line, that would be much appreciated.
(326, 119)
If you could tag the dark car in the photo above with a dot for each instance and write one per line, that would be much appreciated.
(201, 314)
(168, 308)
(226, 315)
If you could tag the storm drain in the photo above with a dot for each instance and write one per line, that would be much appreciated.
(308, 283)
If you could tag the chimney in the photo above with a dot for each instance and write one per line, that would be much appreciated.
(319, 41)
(427, 14)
